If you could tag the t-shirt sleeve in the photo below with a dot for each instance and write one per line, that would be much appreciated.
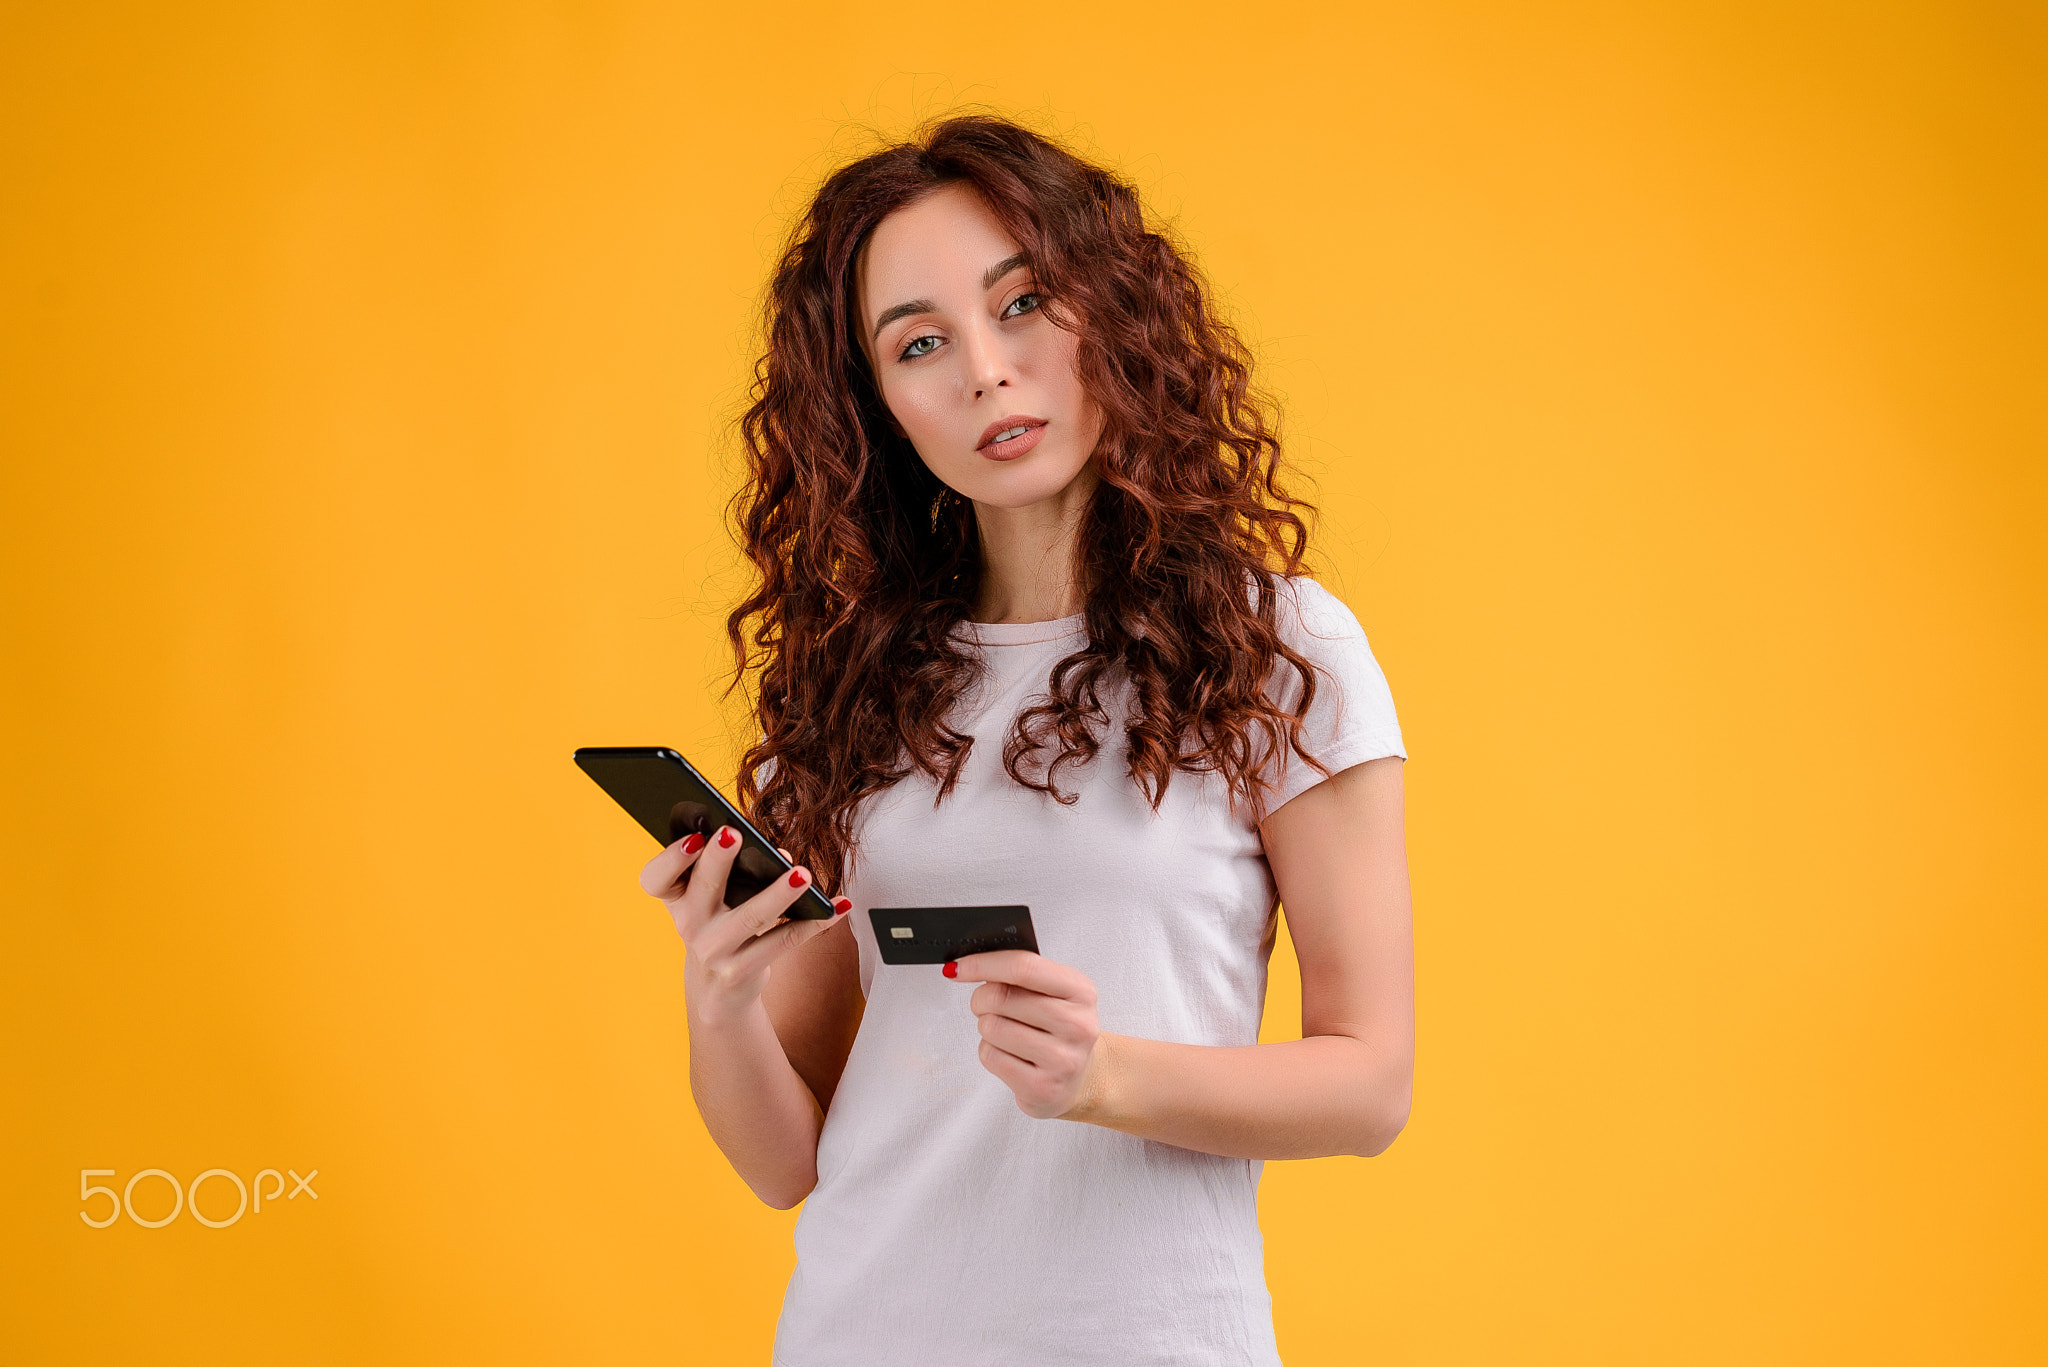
(1351, 718)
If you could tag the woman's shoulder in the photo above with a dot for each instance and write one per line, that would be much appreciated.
(1323, 631)
(1309, 613)
(1351, 717)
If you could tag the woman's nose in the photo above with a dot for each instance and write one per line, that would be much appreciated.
(988, 362)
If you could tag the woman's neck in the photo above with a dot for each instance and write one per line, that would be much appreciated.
(1030, 556)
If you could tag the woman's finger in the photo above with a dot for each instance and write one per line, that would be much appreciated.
(705, 895)
(756, 915)
(1016, 1073)
(1032, 1008)
(662, 876)
(779, 940)
(1027, 970)
(1027, 1042)
(667, 876)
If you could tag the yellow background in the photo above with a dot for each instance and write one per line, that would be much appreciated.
(1672, 377)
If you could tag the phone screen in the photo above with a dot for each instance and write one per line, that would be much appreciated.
(670, 799)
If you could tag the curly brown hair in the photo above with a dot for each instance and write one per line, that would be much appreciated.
(868, 563)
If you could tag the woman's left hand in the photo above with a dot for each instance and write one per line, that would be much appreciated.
(1038, 1028)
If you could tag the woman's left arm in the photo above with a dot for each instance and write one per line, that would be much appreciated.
(1339, 855)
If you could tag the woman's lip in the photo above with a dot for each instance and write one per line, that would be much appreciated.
(1015, 446)
(1000, 425)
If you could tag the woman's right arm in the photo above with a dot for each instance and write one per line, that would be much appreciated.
(763, 1061)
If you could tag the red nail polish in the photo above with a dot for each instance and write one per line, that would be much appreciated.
(796, 878)
(841, 907)
(951, 970)
(726, 839)
(693, 844)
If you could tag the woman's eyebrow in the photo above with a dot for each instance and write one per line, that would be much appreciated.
(903, 310)
(1002, 268)
(911, 306)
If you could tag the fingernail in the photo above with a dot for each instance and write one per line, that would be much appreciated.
(726, 839)
(796, 878)
(951, 970)
(841, 906)
(694, 843)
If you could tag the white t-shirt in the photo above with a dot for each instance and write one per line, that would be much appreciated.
(947, 1227)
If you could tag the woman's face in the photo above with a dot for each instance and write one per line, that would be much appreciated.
(971, 367)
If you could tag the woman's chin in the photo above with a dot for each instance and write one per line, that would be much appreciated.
(1023, 483)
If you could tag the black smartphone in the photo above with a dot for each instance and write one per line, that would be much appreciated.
(670, 799)
(932, 935)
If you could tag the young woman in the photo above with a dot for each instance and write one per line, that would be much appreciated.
(1031, 628)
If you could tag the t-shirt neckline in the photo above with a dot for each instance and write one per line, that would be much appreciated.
(1022, 633)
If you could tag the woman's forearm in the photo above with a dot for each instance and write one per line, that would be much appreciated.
(1307, 1098)
(759, 1111)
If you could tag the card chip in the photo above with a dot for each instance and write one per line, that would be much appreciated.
(901, 933)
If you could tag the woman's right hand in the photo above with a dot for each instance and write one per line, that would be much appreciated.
(731, 949)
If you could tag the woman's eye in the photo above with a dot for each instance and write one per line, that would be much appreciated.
(920, 346)
(1023, 303)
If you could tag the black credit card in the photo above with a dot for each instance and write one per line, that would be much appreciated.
(933, 935)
